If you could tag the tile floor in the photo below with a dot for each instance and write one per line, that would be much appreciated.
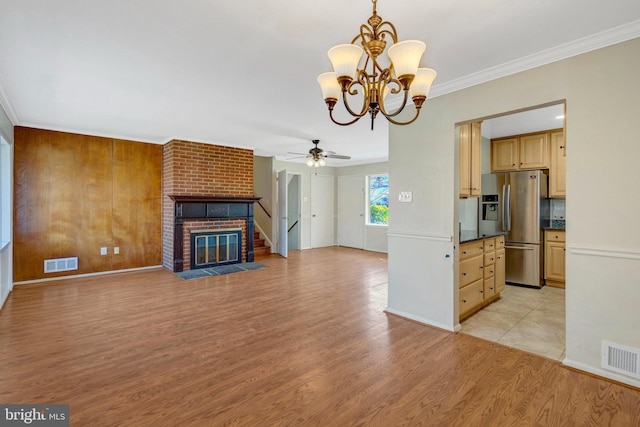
(529, 319)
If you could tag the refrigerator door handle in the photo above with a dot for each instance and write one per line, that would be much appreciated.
(523, 248)
(507, 212)
(503, 208)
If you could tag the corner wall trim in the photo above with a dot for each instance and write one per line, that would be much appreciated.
(602, 252)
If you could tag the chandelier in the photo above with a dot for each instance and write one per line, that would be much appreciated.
(376, 82)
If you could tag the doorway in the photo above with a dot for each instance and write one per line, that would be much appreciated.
(351, 210)
(525, 318)
(289, 197)
(322, 211)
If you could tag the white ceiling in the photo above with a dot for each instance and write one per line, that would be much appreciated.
(243, 73)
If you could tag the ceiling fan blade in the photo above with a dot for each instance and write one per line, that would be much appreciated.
(337, 156)
(299, 154)
(304, 156)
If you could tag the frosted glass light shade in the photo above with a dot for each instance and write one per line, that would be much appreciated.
(322, 162)
(422, 82)
(345, 59)
(329, 85)
(405, 56)
(310, 162)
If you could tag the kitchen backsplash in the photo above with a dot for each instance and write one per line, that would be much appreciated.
(557, 209)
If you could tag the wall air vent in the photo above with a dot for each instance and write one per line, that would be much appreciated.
(621, 359)
(60, 264)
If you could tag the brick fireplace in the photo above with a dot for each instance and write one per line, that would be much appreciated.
(202, 172)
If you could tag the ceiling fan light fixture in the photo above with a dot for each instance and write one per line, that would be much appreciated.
(373, 80)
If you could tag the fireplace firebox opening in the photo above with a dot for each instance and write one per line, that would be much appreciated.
(210, 248)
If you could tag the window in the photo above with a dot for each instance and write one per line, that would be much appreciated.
(378, 200)
(5, 192)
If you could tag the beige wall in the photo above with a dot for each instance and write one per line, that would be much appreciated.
(603, 236)
(262, 187)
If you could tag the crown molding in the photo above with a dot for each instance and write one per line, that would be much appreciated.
(6, 105)
(583, 45)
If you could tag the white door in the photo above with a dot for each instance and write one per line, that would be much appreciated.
(282, 213)
(293, 200)
(321, 211)
(351, 204)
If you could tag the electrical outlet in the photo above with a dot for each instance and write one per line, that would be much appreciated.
(103, 250)
(405, 197)
(116, 250)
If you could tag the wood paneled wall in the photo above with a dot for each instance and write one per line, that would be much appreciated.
(75, 194)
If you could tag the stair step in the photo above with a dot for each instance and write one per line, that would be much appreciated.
(264, 250)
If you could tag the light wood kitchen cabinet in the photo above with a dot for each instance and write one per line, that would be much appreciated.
(554, 258)
(500, 266)
(478, 273)
(504, 154)
(470, 162)
(520, 152)
(534, 151)
(558, 166)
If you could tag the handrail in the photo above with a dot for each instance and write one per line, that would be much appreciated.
(264, 209)
(291, 228)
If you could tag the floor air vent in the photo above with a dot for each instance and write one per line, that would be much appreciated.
(60, 264)
(621, 359)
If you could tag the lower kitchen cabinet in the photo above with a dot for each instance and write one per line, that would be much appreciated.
(481, 273)
(554, 258)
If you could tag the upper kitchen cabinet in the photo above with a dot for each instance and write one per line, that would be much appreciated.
(504, 154)
(558, 167)
(520, 152)
(534, 151)
(470, 164)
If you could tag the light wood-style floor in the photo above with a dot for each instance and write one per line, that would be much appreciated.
(302, 342)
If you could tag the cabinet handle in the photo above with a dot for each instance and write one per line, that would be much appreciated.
(561, 147)
(464, 252)
(464, 301)
(521, 163)
(464, 274)
(513, 164)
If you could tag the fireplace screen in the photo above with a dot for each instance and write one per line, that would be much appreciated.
(211, 248)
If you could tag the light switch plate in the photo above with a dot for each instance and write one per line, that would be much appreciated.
(406, 197)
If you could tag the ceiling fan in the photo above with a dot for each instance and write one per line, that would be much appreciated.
(317, 155)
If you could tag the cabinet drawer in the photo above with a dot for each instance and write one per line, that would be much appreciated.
(489, 271)
(471, 249)
(489, 258)
(470, 270)
(471, 296)
(489, 288)
(555, 236)
(499, 242)
(489, 245)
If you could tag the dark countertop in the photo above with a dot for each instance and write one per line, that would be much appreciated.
(471, 235)
(556, 224)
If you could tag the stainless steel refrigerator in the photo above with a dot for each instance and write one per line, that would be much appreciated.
(517, 204)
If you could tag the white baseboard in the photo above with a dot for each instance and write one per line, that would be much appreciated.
(74, 276)
(601, 372)
(422, 320)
